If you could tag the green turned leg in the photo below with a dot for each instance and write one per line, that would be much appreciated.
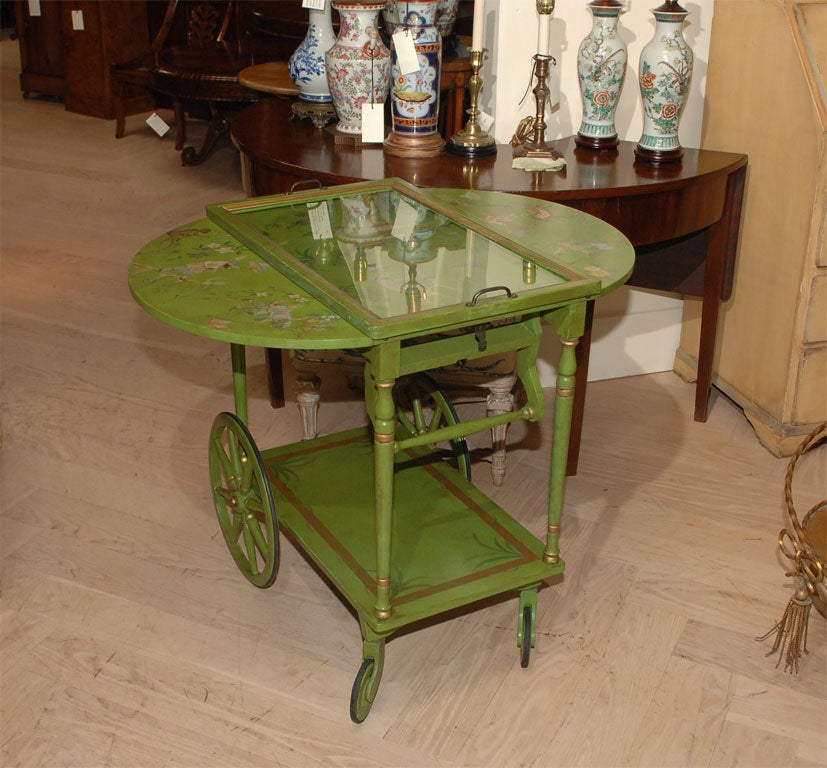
(384, 424)
(563, 406)
(239, 360)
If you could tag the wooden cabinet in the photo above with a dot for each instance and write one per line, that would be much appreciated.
(67, 50)
(42, 49)
(767, 99)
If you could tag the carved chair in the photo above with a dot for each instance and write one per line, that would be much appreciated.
(198, 74)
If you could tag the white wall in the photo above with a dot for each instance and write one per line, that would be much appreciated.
(635, 331)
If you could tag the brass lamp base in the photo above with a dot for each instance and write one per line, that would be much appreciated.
(321, 113)
(471, 143)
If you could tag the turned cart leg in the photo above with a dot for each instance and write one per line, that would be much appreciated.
(239, 361)
(563, 406)
(384, 425)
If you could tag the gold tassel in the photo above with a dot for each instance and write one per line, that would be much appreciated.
(791, 631)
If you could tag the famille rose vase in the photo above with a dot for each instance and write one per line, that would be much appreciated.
(307, 64)
(358, 64)
(665, 74)
(601, 69)
(415, 95)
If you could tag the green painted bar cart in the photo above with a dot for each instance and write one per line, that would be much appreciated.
(413, 279)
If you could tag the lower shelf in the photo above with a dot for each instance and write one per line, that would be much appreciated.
(452, 545)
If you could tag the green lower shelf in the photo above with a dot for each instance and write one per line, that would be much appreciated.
(452, 545)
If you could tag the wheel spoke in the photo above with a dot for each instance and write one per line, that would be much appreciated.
(259, 538)
(247, 467)
(220, 451)
(439, 419)
(250, 548)
(418, 415)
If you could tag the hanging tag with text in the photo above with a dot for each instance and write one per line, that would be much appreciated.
(319, 220)
(406, 56)
(373, 123)
(405, 221)
(314, 5)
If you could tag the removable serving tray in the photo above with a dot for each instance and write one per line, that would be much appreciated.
(394, 262)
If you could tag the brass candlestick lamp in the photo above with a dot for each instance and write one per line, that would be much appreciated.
(530, 137)
(472, 140)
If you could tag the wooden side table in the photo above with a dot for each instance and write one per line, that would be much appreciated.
(683, 219)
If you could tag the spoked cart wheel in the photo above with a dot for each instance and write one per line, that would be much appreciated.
(422, 406)
(243, 500)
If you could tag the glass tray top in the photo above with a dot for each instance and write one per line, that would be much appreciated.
(394, 262)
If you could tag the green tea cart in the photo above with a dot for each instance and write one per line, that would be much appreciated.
(413, 279)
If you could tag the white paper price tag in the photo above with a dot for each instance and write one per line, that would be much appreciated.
(319, 220)
(373, 123)
(405, 221)
(314, 5)
(405, 52)
(157, 124)
(34, 7)
(485, 120)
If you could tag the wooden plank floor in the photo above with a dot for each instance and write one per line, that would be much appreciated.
(130, 639)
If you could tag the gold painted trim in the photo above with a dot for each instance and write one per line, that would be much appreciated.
(383, 582)
(551, 559)
(570, 342)
(382, 614)
(384, 439)
(554, 529)
(565, 392)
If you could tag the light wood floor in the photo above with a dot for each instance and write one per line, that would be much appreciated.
(130, 639)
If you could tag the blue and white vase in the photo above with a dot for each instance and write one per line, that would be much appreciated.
(665, 73)
(601, 70)
(307, 64)
(415, 95)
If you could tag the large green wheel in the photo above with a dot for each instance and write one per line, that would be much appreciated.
(421, 407)
(243, 500)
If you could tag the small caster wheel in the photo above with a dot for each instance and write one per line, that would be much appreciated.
(422, 406)
(362, 693)
(244, 500)
(525, 646)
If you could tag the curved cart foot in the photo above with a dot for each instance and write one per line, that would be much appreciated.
(423, 406)
(366, 684)
(526, 629)
(243, 500)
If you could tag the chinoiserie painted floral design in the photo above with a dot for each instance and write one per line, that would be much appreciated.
(358, 65)
(665, 74)
(307, 64)
(189, 264)
(601, 70)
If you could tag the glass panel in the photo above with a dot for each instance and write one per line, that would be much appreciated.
(393, 254)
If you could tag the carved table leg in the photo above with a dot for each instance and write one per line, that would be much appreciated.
(219, 126)
(500, 400)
